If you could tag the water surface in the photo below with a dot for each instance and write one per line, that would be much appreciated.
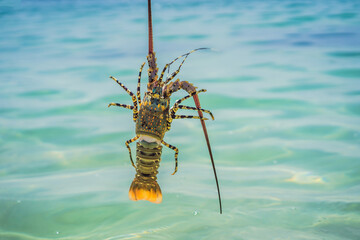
(282, 81)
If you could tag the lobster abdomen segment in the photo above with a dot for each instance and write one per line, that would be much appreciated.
(144, 185)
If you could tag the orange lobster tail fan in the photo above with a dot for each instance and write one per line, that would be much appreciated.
(149, 191)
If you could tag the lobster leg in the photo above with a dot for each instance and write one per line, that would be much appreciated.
(138, 85)
(194, 108)
(176, 154)
(121, 105)
(127, 145)
(175, 107)
(188, 116)
(135, 109)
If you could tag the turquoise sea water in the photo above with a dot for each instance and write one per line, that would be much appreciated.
(283, 85)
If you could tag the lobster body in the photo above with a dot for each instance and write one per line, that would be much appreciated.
(153, 117)
(151, 124)
(152, 121)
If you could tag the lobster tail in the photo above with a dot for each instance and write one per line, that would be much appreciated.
(149, 191)
(144, 185)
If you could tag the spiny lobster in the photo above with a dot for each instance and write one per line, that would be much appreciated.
(153, 117)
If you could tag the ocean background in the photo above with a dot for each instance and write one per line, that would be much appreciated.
(282, 80)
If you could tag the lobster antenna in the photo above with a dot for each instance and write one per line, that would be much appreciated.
(151, 47)
(195, 97)
(197, 103)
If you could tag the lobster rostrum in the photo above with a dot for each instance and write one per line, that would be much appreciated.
(153, 117)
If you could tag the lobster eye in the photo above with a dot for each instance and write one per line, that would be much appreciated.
(157, 90)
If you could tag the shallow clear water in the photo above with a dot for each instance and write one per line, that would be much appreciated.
(283, 84)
